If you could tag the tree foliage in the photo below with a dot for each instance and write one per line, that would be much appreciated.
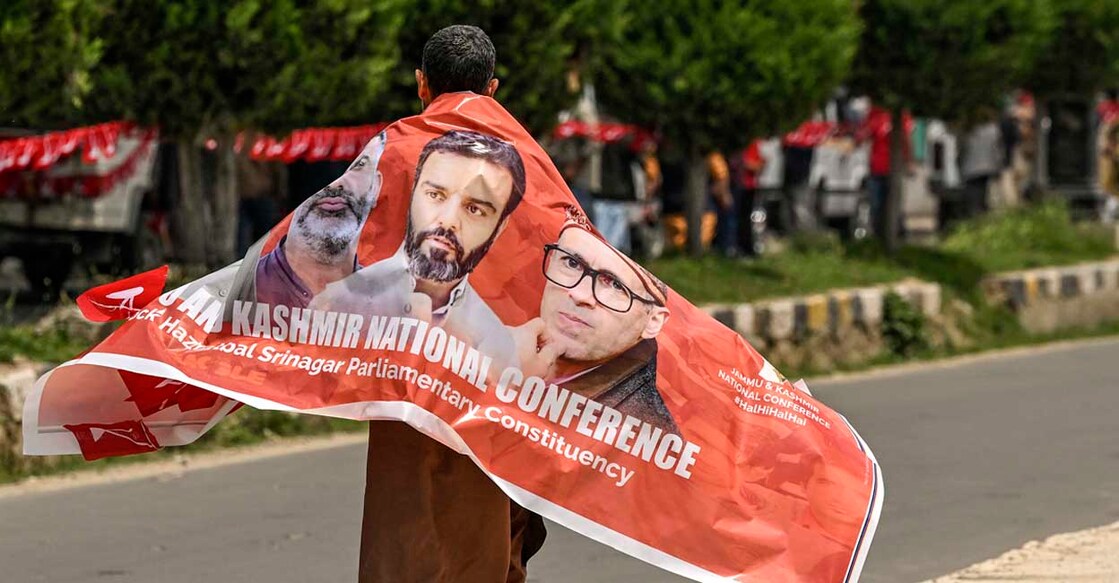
(713, 74)
(948, 58)
(190, 65)
(47, 50)
(199, 69)
(710, 74)
(1083, 54)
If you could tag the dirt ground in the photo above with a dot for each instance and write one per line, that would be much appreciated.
(1087, 556)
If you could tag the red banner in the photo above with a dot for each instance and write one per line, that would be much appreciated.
(448, 280)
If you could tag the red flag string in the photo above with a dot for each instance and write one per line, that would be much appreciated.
(41, 184)
(43, 151)
(607, 133)
(310, 144)
(809, 134)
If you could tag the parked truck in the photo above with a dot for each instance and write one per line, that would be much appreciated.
(89, 215)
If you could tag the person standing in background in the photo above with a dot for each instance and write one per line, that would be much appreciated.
(800, 204)
(746, 166)
(674, 184)
(647, 233)
(623, 185)
(723, 203)
(1011, 137)
(1109, 172)
(571, 159)
(981, 161)
(1108, 155)
(877, 128)
(1025, 156)
(652, 167)
(260, 185)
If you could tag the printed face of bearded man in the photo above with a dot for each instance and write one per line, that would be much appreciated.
(455, 215)
(329, 223)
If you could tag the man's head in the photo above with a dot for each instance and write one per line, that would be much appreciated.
(597, 303)
(457, 58)
(466, 185)
(329, 223)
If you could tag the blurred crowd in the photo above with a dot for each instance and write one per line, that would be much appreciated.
(833, 171)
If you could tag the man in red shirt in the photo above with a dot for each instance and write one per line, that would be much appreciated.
(746, 166)
(877, 129)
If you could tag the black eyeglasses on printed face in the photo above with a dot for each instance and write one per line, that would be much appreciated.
(568, 270)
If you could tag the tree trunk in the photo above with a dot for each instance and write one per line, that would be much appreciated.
(695, 201)
(221, 240)
(189, 213)
(892, 210)
(1041, 147)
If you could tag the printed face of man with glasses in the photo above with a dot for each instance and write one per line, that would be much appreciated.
(596, 303)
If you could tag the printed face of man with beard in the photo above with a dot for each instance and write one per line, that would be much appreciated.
(329, 223)
(581, 328)
(455, 215)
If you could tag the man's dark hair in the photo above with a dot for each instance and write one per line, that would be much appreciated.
(481, 147)
(458, 58)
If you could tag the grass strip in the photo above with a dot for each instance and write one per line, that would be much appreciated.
(1024, 238)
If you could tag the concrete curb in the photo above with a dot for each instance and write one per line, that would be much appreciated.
(1023, 288)
(1053, 298)
(16, 381)
(795, 318)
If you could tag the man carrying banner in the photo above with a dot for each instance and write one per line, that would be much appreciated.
(540, 434)
(430, 513)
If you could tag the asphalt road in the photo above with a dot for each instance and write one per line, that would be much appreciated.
(978, 458)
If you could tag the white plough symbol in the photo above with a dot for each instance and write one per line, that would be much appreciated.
(127, 299)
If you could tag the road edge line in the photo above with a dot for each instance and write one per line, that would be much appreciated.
(892, 370)
(181, 464)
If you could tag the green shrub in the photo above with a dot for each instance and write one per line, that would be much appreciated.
(248, 426)
(903, 326)
(1031, 236)
(52, 345)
